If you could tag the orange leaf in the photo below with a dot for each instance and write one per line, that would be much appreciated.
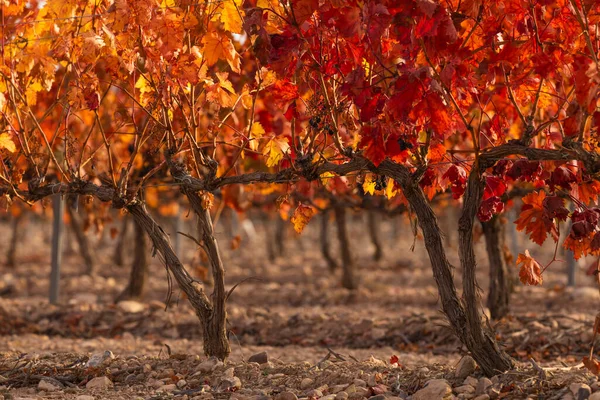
(531, 217)
(530, 272)
(301, 217)
(592, 365)
(219, 47)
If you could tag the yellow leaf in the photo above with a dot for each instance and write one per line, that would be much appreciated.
(32, 91)
(390, 191)
(219, 47)
(7, 143)
(369, 185)
(301, 217)
(325, 176)
(275, 150)
(256, 132)
(231, 16)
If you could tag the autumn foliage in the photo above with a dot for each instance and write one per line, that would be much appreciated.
(410, 99)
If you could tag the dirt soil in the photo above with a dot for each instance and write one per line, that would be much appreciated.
(320, 340)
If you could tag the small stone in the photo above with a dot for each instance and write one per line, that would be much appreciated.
(466, 366)
(341, 396)
(595, 396)
(359, 393)
(147, 368)
(306, 383)
(101, 382)
(580, 391)
(229, 373)
(84, 397)
(259, 358)
(286, 396)
(359, 382)
(228, 384)
(328, 397)
(167, 388)
(98, 359)
(49, 385)
(377, 397)
(314, 393)
(482, 386)
(493, 393)
(181, 383)
(131, 306)
(464, 389)
(209, 365)
(435, 389)
(130, 378)
(482, 397)
(470, 381)
(465, 396)
(595, 386)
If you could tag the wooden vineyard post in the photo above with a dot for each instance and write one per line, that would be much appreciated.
(58, 209)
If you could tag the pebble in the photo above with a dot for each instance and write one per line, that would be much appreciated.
(286, 396)
(580, 391)
(470, 381)
(466, 366)
(209, 365)
(98, 359)
(464, 389)
(482, 397)
(181, 383)
(377, 397)
(259, 358)
(306, 383)
(228, 384)
(482, 386)
(595, 396)
(84, 397)
(130, 306)
(101, 382)
(359, 382)
(167, 388)
(341, 396)
(49, 385)
(435, 389)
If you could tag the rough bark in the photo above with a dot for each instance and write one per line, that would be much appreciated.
(11, 254)
(139, 266)
(119, 249)
(480, 343)
(82, 240)
(374, 234)
(465, 320)
(325, 244)
(212, 316)
(348, 275)
(499, 292)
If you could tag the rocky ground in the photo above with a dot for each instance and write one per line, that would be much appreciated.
(295, 333)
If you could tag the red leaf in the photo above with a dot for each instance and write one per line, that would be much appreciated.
(489, 208)
(494, 187)
(283, 92)
(372, 143)
(394, 359)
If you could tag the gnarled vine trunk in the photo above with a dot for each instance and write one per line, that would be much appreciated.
(120, 247)
(212, 315)
(463, 316)
(348, 274)
(11, 254)
(374, 234)
(83, 243)
(324, 241)
(139, 266)
(499, 291)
